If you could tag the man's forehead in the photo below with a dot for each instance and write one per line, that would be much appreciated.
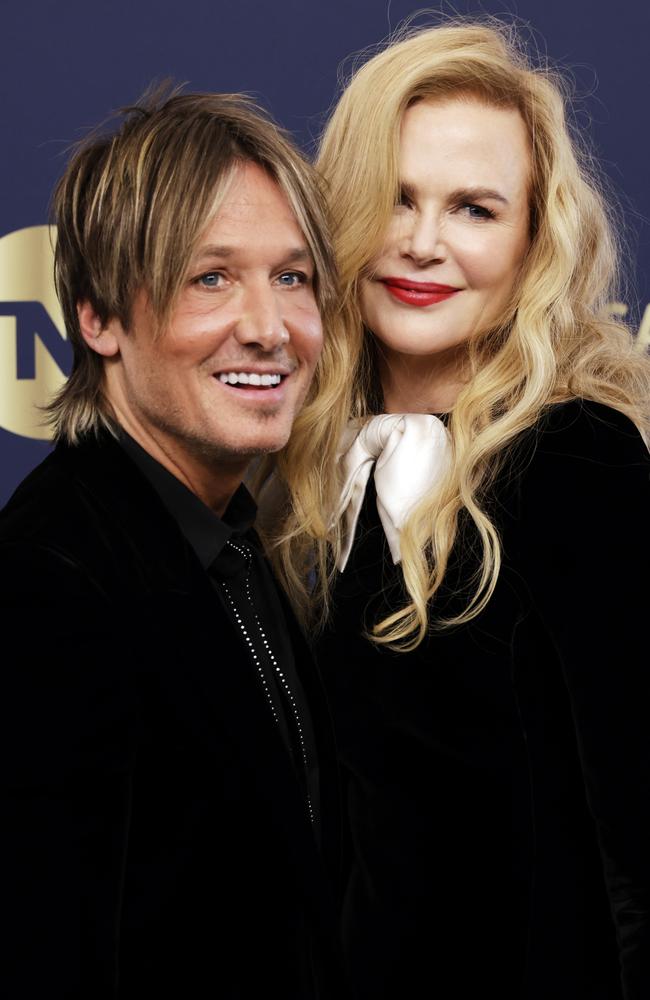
(253, 213)
(250, 186)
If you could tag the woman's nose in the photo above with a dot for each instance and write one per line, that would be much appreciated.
(423, 240)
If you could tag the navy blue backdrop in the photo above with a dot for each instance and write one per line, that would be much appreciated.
(65, 65)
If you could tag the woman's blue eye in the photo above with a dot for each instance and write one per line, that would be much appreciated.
(479, 212)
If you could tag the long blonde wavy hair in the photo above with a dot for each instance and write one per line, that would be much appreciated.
(557, 342)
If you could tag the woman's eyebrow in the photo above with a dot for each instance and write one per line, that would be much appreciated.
(460, 194)
(478, 194)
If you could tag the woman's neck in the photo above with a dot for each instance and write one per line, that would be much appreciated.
(412, 384)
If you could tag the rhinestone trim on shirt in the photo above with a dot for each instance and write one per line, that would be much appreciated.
(244, 551)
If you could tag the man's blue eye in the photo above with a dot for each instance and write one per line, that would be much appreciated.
(292, 278)
(210, 280)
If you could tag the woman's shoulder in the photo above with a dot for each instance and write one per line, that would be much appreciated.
(582, 461)
(583, 431)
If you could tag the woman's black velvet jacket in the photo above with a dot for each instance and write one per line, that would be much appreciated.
(498, 778)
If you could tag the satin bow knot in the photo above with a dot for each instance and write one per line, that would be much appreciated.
(410, 452)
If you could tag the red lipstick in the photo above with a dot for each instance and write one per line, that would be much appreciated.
(418, 293)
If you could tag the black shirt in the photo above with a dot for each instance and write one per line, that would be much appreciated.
(231, 554)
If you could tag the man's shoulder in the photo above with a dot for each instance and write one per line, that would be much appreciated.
(44, 496)
(88, 504)
(58, 489)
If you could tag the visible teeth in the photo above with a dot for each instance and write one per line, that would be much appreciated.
(249, 378)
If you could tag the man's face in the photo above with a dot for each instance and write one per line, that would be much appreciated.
(226, 379)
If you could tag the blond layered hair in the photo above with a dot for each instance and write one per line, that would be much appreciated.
(556, 343)
(132, 204)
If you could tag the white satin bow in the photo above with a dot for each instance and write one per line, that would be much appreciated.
(411, 451)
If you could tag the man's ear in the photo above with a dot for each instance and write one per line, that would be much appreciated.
(102, 339)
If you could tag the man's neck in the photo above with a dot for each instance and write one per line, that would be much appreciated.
(213, 482)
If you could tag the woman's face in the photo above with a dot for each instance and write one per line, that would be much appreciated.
(458, 234)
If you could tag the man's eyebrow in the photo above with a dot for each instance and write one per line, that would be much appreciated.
(299, 254)
(214, 250)
(292, 256)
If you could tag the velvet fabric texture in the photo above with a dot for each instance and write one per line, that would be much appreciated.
(498, 777)
(156, 841)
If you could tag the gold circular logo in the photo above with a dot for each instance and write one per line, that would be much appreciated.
(34, 352)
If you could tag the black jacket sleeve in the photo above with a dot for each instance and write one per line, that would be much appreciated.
(67, 739)
(585, 547)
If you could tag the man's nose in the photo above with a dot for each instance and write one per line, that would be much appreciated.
(261, 320)
(423, 239)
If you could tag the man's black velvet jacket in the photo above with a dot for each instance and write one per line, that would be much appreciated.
(498, 777)
(155, 840)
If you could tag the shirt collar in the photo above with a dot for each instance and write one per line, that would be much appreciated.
(204, 530)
